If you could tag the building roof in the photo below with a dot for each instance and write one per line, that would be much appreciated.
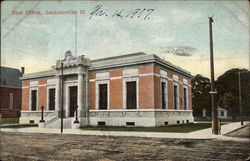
(134, 59)
(119, 61)
(10, 77)
(118, 57)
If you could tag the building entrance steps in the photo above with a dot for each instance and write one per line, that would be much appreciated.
(56, 123)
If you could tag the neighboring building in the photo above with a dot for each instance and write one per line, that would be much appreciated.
(221, 113)
(10, 92)
(127, 90)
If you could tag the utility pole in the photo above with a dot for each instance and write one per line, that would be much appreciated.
(76, 37)
(240, 103)
(213, 92)
(62, 99)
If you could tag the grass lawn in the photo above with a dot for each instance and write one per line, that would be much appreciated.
(20, 126)
(173, 128)
(9, 120)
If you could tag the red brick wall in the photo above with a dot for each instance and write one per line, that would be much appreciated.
(181, 101)
(146, 69)
(25, 95)
(156, 69)
(115, 101)
(157, 93)
(170, 91)
(25, 99)
(5, 101)
(92, 76)
(146, 91)
(190, 98)
(149, 89)
(42, 94)
(115, 73)
(92, 95)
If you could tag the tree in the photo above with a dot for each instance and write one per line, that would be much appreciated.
(227, 86)
(201, 98)
(229, 101)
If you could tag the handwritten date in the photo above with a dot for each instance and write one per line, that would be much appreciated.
(122, 13)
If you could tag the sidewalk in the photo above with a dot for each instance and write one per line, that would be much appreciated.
(200, 134)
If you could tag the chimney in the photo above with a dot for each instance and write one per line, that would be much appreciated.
(22, 70)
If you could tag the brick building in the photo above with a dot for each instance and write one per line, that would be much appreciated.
(10, 92)
(134, 89)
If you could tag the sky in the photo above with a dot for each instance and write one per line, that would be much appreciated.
(176, 31)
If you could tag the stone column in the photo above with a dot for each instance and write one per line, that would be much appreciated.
(58, 94)
(80, 95)
(87, 98)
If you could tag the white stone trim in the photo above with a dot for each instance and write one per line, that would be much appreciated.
(149, 74)
(166, 91)
(163, 74)
(101, 76)
(130, 72)
(51, 81)
(185, 81)
(124, 91)
(178, 94)
(176, 78)
(33, 83)
(41, 85)
(121, 77)
(140, 110)
(37, 94)
(115, 78)
(97, 83)
(36, 111)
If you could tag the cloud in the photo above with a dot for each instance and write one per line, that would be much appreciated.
(179, 50)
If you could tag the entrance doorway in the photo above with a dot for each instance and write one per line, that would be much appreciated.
(72, 100)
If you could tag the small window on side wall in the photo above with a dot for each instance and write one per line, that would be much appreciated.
(11, 100)
(103, 96)
(131, 95)
(33, 100)
(163, 95)
(52, 97)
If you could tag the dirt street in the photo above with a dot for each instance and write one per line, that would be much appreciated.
(24, 146)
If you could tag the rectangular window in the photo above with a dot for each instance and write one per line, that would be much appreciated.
(103, 96)
(11, 100)
(33, 100)
(52, 97)
(175, 97)
(185, 98)
(131, 95)
(163, 95)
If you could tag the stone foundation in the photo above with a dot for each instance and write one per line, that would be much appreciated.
(35, 116)
(145, 118)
